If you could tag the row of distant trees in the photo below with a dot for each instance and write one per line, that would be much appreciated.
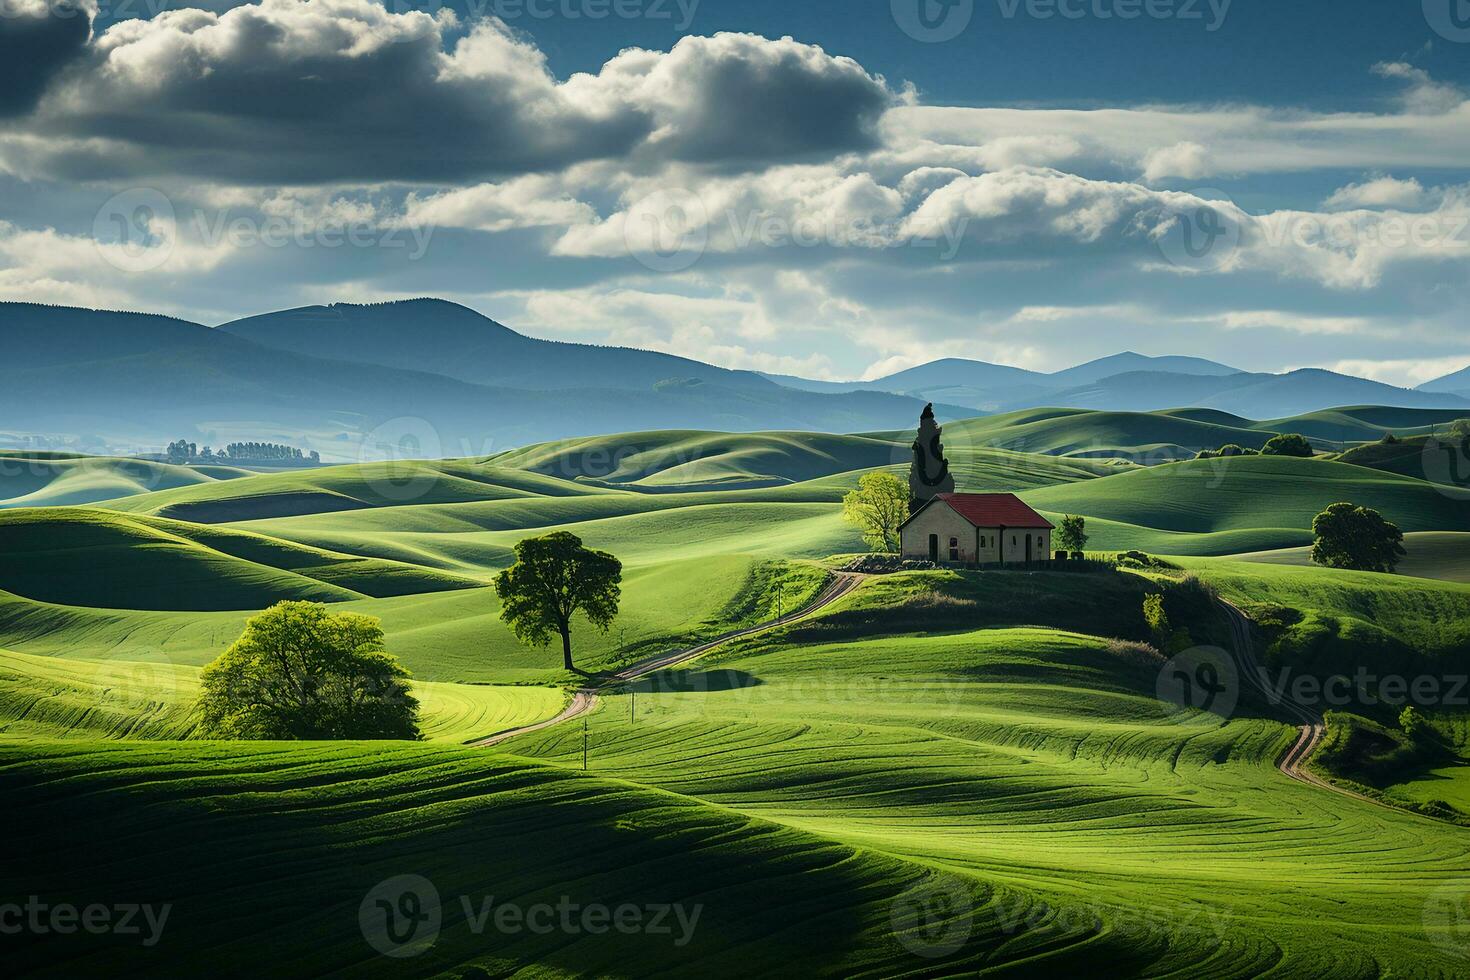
(1286, 444)
(182, 450)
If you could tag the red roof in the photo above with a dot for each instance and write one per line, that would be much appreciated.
(994, 510)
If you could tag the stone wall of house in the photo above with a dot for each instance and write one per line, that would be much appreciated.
(941, 520)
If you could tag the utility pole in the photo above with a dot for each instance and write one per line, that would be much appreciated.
(632, 705)
(584, 744)
(780, 597)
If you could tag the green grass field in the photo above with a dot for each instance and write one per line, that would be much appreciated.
(945, 773)
(60, 479)
(1441, 555)
(52, 697)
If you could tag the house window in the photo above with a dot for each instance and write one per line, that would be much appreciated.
(954, 549)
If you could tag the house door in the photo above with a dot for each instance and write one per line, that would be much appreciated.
(934, 548)
(1028, 547)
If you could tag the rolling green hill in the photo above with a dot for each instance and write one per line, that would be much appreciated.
(55, 697)
(1266, 501)
(1443, 555)
(1164, 436)
(52, 480)
(207, 820)
(83, 557)
(351, 487)
(1042, 760)
(985, 752)
(1022, 781)
(691, 460)
(1441, 459)
(1148, 436)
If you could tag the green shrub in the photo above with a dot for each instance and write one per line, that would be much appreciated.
(1289, 444)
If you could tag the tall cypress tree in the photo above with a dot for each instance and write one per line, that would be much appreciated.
(929, 472)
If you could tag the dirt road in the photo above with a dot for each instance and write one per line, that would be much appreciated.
(584, 699)
(1311, 729)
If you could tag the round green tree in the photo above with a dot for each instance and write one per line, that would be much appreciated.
(878, 506)
(1356, 538)
(1072, 533)
(1288, 444)
(553, 579)
(301, 672)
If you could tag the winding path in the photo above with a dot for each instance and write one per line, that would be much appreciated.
(1311, 728)
(584, 699)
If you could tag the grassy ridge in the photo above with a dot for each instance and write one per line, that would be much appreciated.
(444, 636)
(198, 820)
(348, 487)
(1443, 555)
(1041, 760)
(994, 735)
(153, 699)
(1331, 621)
(60, 479)
(1154, 436)
(99, 558)
(1276, 495)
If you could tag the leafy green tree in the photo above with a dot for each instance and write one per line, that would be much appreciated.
(301, 672)
(878, 506)
(1414, 724)
(1289, 444)
(1072, 535)
(1358, 538)
(1227, 450)
(553, 579)
(1157, 619)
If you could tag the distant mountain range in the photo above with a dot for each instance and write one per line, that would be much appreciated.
(1455, 384)
(441, 379)
(1131, 382)
(435, 377)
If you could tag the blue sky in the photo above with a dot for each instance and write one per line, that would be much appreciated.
(835, 189)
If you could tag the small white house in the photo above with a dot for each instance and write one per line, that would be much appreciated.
(976, 529)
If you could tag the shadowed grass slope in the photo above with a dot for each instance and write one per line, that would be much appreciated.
(1274, 498)
(1043, 760)
(349, 487)
(86, 557)
(199, 827)
(53, 480)
(154, 699)
(443, 636)
(1443, 555)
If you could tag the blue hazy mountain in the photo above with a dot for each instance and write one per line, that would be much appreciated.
(149, 379)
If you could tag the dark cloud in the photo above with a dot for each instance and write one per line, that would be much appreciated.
(36, 42)
(334, 90)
